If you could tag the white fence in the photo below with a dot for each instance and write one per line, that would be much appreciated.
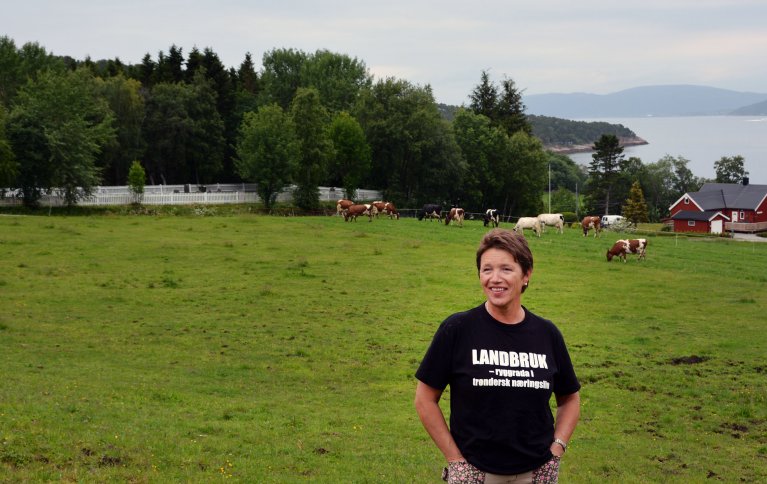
(184, 195)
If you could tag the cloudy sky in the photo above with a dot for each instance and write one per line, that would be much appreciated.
(594, 46)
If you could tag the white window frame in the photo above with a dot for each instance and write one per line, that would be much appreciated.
(691, 223)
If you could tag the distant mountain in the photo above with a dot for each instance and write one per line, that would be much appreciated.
(672, 100)
(758, 109)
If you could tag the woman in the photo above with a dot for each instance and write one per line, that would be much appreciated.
(502, 363)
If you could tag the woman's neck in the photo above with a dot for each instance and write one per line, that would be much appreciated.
(513, 314)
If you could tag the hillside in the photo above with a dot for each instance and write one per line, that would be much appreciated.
(565, 135)
(672, 100)
(758, 109)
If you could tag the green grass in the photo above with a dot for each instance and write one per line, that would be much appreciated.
(282, 349)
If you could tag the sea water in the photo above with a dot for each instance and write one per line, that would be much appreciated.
(702, 140)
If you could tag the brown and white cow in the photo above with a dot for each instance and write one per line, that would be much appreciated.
(456, 214)
(528, 223)
(342, 205)
(591, 222)
(628, 246)
(386, 208)
(355, 211)
(391, 211)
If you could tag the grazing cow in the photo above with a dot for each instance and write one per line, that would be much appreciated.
(432, 211)
(391, 210)
(629, 246)
(386, 208)
(457, 215)
(528, 223)
(354, 211)
(554, 219)
(591, 222)
(491, 216)
(342, 205)
(379, 205)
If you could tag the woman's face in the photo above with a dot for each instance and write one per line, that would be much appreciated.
(501, 277)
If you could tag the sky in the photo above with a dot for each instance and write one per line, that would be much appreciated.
(545, 46)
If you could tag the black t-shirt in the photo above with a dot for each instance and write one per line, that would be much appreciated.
(501, 378)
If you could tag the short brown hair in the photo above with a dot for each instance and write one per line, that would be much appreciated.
(514, 244)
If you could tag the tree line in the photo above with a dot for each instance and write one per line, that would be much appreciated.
(302, 119)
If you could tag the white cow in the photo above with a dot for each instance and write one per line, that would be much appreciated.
(528, 223)
(554, 219)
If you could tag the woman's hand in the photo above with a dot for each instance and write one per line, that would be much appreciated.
(557, 449)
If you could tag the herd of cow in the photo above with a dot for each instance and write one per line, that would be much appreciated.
(621, 248)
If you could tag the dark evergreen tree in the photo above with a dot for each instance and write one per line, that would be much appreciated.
(603, 173)
(510, 109)
(484, 98)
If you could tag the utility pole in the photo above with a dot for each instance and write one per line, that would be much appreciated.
(577, 202)
(549, 187)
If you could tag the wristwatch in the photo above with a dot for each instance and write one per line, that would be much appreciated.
(561, 443)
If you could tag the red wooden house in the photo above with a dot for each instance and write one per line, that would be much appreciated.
(722, 206)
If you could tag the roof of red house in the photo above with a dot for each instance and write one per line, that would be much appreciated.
(719, 196)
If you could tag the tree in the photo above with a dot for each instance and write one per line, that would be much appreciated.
(563, 200)
(126, 102)
(526, 174)
(603, 171)
(683, 179)
(511, 110)
(337, 77)
(311, 121)
(268, 151)
(415, 157)
(17, 65)
(504, 109)
(565, 173)
(484, 97)
(281, 76)
(167, 128)
(59, 125)
(486, 150)
(136, 181)
(206, 144)
(635, 209)
(9, 168)
(730, 169)
(351, 161)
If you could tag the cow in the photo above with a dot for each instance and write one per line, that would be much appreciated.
(528, 223)
(342, 205)
(591, 222)
(379, 205)
(456, 214)
(432, 211)
(627, 246)
(387, 208)
(554, 219)
(391, 210)
(354, 211)
(491, 216)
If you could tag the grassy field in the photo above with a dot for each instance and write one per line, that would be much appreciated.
(282, 349)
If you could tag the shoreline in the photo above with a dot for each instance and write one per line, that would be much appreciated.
(586, 148)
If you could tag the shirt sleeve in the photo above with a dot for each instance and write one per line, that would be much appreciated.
(437, 365)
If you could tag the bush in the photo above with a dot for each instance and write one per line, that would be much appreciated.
(622, 226)
(570, 217)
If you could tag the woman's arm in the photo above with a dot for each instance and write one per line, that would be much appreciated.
(568, 413)
(427, 406)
